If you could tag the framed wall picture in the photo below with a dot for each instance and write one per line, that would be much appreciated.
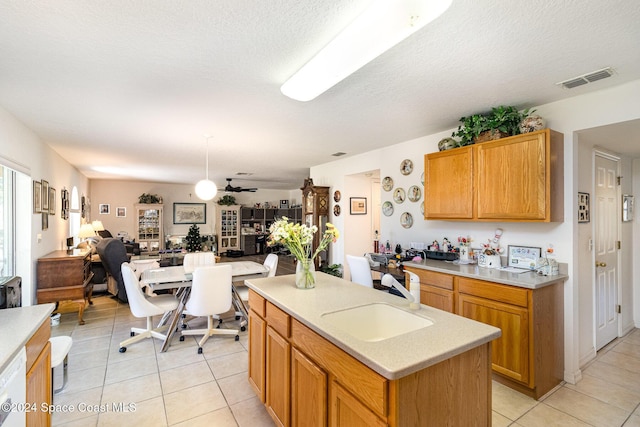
(64, 201)
(189, 213)
(45, 196)
(52, 201)
(627, 207)
(358, 205)
(583, 207)
(105, 209)
(37, 197)
(121, 212)
(45, 220)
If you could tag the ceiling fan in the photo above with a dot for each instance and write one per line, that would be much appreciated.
(231, 189)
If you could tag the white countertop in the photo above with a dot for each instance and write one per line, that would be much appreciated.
(529, 279)
(392, 358)
(17, 325)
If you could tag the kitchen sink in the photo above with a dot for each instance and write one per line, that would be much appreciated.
(375, 322)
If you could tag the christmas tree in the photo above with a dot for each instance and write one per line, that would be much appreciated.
(194, 242)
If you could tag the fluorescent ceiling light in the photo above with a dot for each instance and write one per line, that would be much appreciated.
(380, 27)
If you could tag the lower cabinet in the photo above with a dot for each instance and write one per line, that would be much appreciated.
(39, 376)
(308, 392)
(529, 356)
(257, 340)
(278, 358)
(346, 410)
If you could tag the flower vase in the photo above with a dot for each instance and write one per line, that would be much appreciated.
(305, 274)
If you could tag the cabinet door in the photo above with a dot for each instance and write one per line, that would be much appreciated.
(278, 377)
(39, 388)
(308, 392)
(257, 334)
(439, 298)
(513, 178)
(347, 411)
(448, 184)
(510, 352)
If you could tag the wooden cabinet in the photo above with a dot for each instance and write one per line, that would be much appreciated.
(436, 289)
(278, 365)
(529, 356)
(149, 229)
(257, 340)
(315, 211)
(328, 386)
(519, 178)
(63, 276)
(39, 381)
(228, 227)
(448, 184)
(308, 392)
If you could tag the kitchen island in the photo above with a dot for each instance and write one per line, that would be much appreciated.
(305, 366)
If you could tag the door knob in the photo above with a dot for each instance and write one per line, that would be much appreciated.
(601, 264)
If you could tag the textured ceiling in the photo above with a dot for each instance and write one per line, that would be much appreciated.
(127, 89)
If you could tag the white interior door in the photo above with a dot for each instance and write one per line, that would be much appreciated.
(606, 220)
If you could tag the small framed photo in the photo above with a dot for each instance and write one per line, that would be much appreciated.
(284, 204)
(583, 207)
(189, 213)
(52, 201)
(45, 220)
(358, 205)
(627, 207)
(121, 212)
(45, 196)
(105, 209)
(37, 197)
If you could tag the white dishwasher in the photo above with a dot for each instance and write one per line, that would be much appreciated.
(13, 391)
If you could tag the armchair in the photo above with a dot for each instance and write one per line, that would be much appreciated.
(112, 254)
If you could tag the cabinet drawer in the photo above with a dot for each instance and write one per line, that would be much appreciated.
(278, 320)
(494, 291)
(257, 304)
(369, 386)
(440, 280)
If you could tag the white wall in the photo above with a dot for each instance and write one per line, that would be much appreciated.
(22, 146)
(582, 112)
(125, 194)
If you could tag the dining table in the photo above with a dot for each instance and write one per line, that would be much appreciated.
(177, 277)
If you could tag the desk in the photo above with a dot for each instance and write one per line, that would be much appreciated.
(176, 277)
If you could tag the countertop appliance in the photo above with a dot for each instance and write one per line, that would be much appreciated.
(13, 391)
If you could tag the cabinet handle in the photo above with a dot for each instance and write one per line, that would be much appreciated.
(601, 264)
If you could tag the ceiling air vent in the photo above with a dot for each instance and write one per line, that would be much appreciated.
(338, 154)
(594, 76)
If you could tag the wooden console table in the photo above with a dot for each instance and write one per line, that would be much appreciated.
(64, 276)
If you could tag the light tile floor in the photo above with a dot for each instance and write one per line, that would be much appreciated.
(144, 387)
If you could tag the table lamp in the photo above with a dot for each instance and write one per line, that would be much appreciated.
(86, 231)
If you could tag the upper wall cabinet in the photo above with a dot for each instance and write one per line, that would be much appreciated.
(519, 178)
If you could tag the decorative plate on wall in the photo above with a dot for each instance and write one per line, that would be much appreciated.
(336, 210)
(406, 219)
(399, 195)
(387, 183)
(406, 167)
(336, 196)
(387, 208)
(415, 193)
(422, 179)
(422, 208)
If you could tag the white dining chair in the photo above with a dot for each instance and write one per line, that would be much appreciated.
(192, 260)
(360, 270)
(271, 262)
(144, 306)
(210, 295)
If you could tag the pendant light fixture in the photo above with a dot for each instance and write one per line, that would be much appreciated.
(205, 189)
